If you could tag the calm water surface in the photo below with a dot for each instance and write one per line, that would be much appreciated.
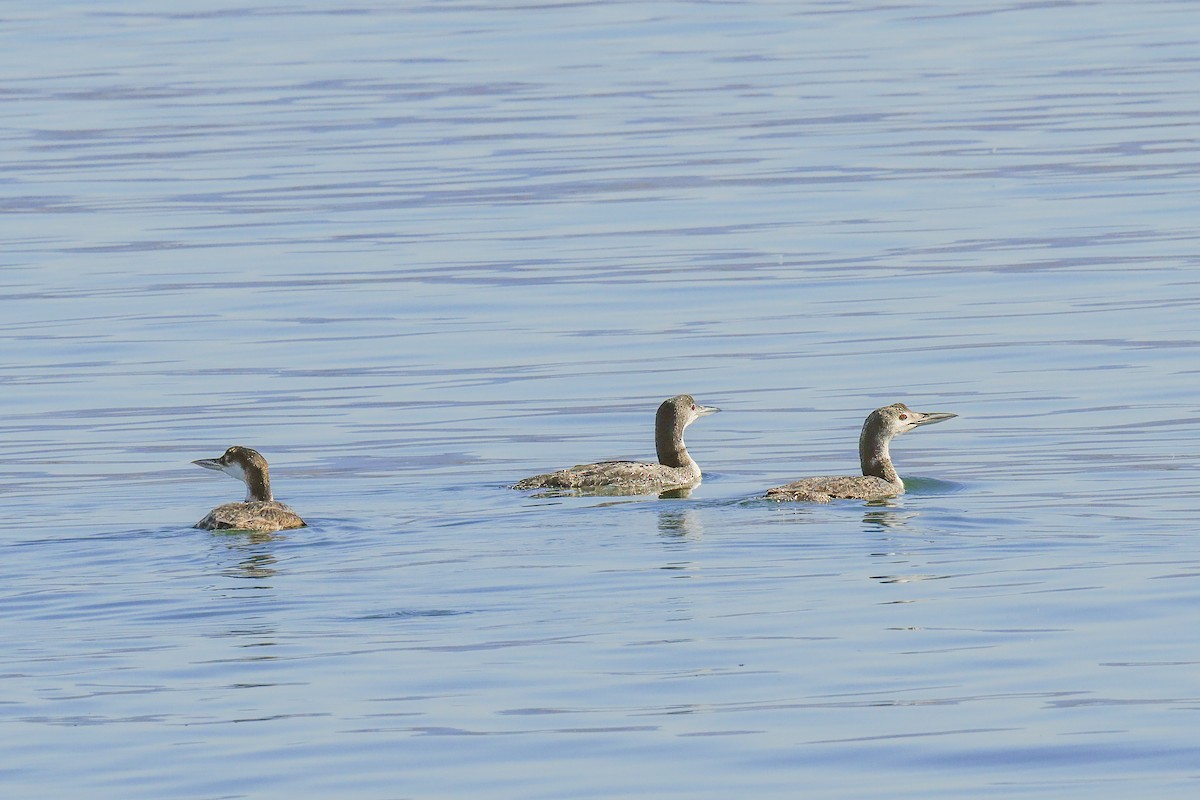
(413, 252)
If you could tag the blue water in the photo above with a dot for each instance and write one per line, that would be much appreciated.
(414, 252)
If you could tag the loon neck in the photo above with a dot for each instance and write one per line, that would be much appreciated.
(258, 486)
(873, 452)
(668, 442)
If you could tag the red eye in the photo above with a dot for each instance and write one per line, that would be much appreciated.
(904, 416)
(693, 406)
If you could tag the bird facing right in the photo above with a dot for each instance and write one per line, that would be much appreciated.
(879, 479)
(675, 469)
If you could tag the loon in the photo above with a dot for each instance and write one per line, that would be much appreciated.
(879, 480)
(259, 512)
(675, 470)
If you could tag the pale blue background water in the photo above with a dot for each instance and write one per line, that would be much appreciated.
(413, 252)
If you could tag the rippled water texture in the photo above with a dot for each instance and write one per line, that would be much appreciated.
(414, 252)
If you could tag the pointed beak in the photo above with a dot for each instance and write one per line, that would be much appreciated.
(209, 463)
(930, 417)
(704, 411)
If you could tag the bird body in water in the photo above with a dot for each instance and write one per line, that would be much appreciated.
(675, 468)
(260, 511)
(879, 480)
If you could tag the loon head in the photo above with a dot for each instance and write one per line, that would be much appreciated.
(247, 466)
(898, 418)
(673, 416)
(681, 411)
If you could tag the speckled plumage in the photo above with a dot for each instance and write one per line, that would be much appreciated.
(822, 489)
(260, 511)
(676, 468)
(879, 480)
(635, 477)
(256, 515)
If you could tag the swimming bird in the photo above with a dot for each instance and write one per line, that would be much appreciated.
(675, 468)
(879, 480)
(259, 512)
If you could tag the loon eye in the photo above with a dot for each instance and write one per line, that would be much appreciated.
(904, 416)
(693, 406)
